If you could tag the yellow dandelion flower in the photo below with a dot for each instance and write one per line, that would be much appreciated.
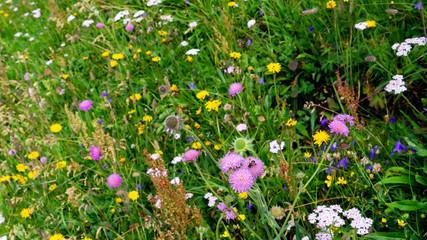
(122, 160)
(61, 164)
(113, 63)
(217, 147)
(207, 143)
(148, 53)
(274, 67)
(117, 56)
(21, 167)
(119, 200)
(105, 54)
(371, 23)
(33, 155)
(189, 58)
(250, 68)
(235, 55)
(113, 210)
(156, 59)
(331, 4)
(139, 50)
(196, 145)
(26, 212)
(56, 128)
(320, 137)
(231, 4)
(57, 237)
(65, 76)
(202, 94)
(133, 195)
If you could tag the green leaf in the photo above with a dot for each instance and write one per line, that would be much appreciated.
(407, 205)
(301, 129)
(386, 236)
(420, 180)
(397, 180)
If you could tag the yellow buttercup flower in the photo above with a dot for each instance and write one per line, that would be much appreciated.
(291, 122)
(65, 76)
(213, 105)
(341, 181)
(328, 181)
(117, 56)
(21, 167)
(174, 88)
(242, 217)
(231, 4)
(56, 128)
(148, 53)
(235, 55)
(61, 164)
(26, 212)
(105, 54)
(401, 222)
(136, 96)
(371, 23)
(113, 63)
(119, 200)
(147, 118)
(243, 195)
(274, 67)
(113, 210)
(217, 147)
(189, 59)
(156, 59)
(383, 220)
(196, 145)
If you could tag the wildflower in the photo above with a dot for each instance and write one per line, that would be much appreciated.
(95, 152)
(161, 33)
(133, 195)
(230, 161)
(401, 222)
(345, 118)
(338, 127)
(147, 118)
(21, 167)
(320, 137)
(397, 85)
(241, 145)
(184, 43)
(251, 23)
(399, 147)
(311, 29)
(114, 180)
(190, 155)
(383, 220)
(173, 124)
(328, 181)
(371, 23)
(235, 55)
(242, 217)
(129, 27)
(55, 128)
(33, 155)
(261, 81)
(148, 53)
(52, 187)
(217, 147)
(189, 59)
(136, 97)
(274, 67)
(65, 76)
(87, 23)
(202, 94)
(193, 24)
(26, 212)
(192, 52)
(99, 25)
(231, 4)
(307, 155)
(291, 122)
(331, 4)
(11, 152)
(343, 163)
(213, 105)
(175, 181)
(361, 26)
(225, 234)
(196, 145)
(241, 180)
(153, 2)
(61, 164)
(113, 63)
(235, 88)
(32, 174)
(341, 181)
(419, 5)
(243, 195)
(241, 127)
(254, 165)
(57, 237)
(156, 59)
(274, 146)
(85, 105)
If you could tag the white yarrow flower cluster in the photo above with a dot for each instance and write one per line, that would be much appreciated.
(361, 26)
(36, 13)
(358, 222)
(251, 23)
(397, 85)
(175, 181)
(87, 23)
(166, 19)
(193, 24)
(139, 13)
(404, 48)
(212, 199)
(326, 217)
(153, 2)
(192, 52)
(158, 204)
(275, 147)
(157, 173)
(71, 18)
(120, 15)
(176, 160)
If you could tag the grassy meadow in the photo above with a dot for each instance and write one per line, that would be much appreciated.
(212, 119)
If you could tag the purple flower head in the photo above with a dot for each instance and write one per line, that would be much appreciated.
(230, 161)
(372, 154)
(345, 118)
(323, 122)
(43, 160)
(189, 139)
(95, 152)
(399, 147)
(261, 81)
(241, 180)
(368, 168)
(100, 121)
(129, 27)
(104, 166)
(26, 76)
(328, 171)
(11, 152)
(109, 100)
(230, 214)
(338, 127)
(313, 160)
(261, 13)
(230, 69)
(385, 163)
(85, 105)
(392, 120)
(221, 206)
(187, 2)
(104, 94)
(138, 187)
(249, 42)
(251, 206)
(235, 88)
(419, 5)
(114, 180)
(311, 29)
(343, 163)
(190, 155)
(192, 86)
(99, 25)
(285, 186)
(254, 165)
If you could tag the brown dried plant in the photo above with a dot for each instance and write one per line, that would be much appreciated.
(174, 216)
(351, 101)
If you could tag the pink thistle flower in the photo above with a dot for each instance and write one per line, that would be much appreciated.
(114, 180)
(95, 152)
(241, 180)
(254, 165)
(190, 155)
(338, 127)
(129, 27)
(235, 88)
(230, 161)
(85, 105)
(221, 206)
(99, 25)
